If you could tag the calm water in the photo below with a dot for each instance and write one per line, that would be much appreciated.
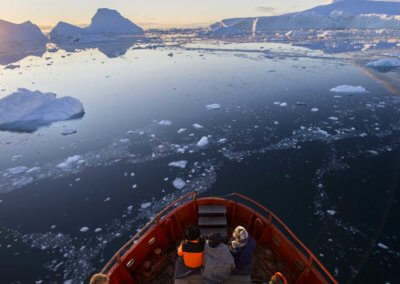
(326, 163)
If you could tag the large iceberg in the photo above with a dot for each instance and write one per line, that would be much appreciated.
(26, 110)
(384, 64)
(338, 15)
(105, 21)
(10, 32)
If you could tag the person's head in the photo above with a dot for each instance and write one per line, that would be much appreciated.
(240, 236)
(99, 279)
(214, 240)
(192, 233)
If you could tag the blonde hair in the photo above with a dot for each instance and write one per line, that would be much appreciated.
(99, 279)
(240, 234)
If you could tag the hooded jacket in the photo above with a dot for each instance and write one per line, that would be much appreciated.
(244, 254)
(218, 264)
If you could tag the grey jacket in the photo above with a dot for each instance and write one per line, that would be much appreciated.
(218, 264)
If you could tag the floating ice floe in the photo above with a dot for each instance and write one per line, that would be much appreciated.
(331, 212)
(27, 109)
(203, 142)
(181, 130)
(222, 140)
(145, 205)
(179, 164)
(124, 140)
(179, 183)
(84, 229)
(334, 118)
(98, 230)
(348, 89)
(283, 104)
(385, 63)
(213, 106)
(130, 132)
(382, 246)
(70, 161)
(17, 170)
(165, 122)
(107, 199)
(68, 131)
(314, 109)
(16, 157)
(197, 126)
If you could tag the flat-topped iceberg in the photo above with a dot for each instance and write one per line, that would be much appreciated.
(385, 64)
(348, 89)
(26, 110)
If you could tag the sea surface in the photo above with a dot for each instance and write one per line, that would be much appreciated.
(326, 163)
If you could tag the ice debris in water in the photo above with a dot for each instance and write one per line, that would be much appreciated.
(84, 229)
(69, 162)
(197, 126)
(179, 183)
(27, 109)
(179, 164)
(203, 142)
(314, 109)
(213, 106)
(17, 170)
(165, 122)
(382, 246)
(16, 157)
(181, 130)
(68, 131)
(331, 212)
(334, 118)
(283, 104)
(98, 230)
(124, 140)
(145, 205)
(348, 89)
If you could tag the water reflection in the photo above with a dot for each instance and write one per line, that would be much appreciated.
(15, 51)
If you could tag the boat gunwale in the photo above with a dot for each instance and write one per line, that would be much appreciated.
(147, 229)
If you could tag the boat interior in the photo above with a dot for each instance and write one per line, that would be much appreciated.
(149, 257)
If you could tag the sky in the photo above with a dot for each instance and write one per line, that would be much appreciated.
(148, 13)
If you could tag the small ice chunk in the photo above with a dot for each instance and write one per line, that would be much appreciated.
(348, 89)
(107, 199)
(124, 140)
(17, 170)
(222, 140)
(165, 122)
(373, 152)
(98, 230)
(130, 132)
(16, 157)
(32, 170)
(213, 106)
(53, 227)
(382, 246)
(69, 162)
(181, 130)
(179, 183)
(334, 118)
(203, 142)
(197, 126)
(314, 109)
(68, 131)
(283, 104)
(84, 229)
(179, 164)
(134, 186)
(331, 212)
(145, 205)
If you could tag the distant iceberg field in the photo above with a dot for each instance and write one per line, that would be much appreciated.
(26, 110)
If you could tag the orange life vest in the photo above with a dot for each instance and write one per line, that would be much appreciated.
(192, 253)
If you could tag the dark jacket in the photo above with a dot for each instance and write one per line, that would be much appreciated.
(243, 255)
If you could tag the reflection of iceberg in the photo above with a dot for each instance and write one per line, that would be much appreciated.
(385, 65)
(25, 110)
(15, 51)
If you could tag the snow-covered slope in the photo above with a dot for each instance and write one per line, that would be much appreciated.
(26, 110)
(27, 31)
(105, 21)
(350, 14)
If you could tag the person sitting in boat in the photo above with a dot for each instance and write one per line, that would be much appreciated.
(99, 278)
(242, 247)
(218, 262)
(190, 253)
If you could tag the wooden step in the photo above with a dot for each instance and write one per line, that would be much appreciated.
(205, 232)
(212, 221)
(212, 209)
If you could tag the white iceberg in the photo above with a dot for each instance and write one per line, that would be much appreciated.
(202, 142)
(179, 183)
(385, 63)
(10, 32)
(145, 205)
(69, 162)
(27, 110)
(181, 130)
(213, 106)
(179, 164)
(348, 89)
(165, 122)
(84, 229)
(198, 126)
